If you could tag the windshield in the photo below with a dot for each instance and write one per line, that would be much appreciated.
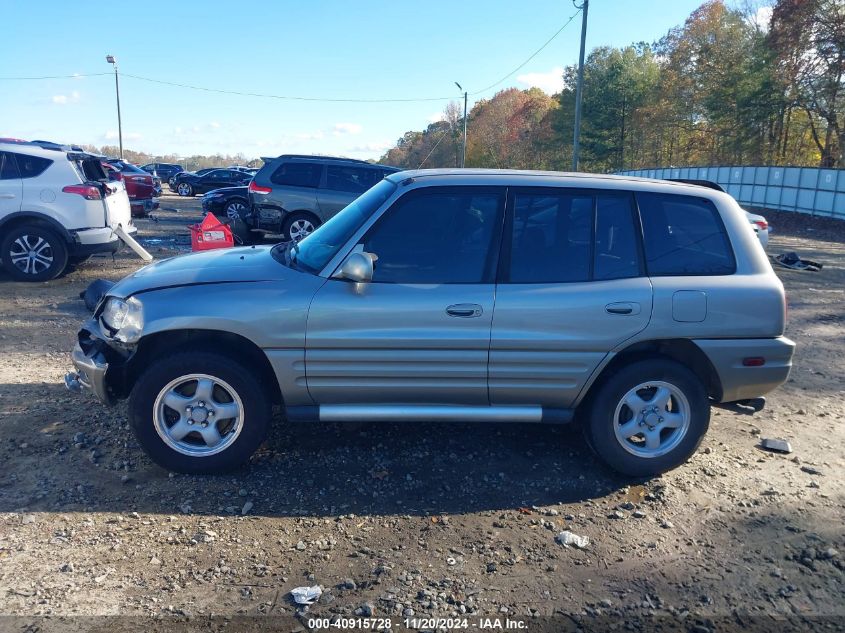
(316, 250)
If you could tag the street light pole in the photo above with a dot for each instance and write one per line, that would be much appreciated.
(585, 4)
(111, 60)
(464, 154)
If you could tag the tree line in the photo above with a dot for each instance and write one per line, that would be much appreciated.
(726, 87)
(189, 163)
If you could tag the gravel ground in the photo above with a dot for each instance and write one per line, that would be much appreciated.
(441, 519)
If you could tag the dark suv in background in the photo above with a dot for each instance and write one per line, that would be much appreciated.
(165, 171)
(293, 194)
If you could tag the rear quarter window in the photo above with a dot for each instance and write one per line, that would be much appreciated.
(295, 174)
(31, 166)
(684, 235)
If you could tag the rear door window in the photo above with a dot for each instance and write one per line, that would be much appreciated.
(296, 174)
(616, 248)
(351, 179)
(684, 235)
(31, 166)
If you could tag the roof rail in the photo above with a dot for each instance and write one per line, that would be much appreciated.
(319, 157)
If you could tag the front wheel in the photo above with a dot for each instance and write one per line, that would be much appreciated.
(185, 189)
(199, 413)
(648, 417)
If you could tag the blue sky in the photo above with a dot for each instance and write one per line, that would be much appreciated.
(338, 49)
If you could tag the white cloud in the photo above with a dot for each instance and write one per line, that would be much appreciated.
(438, 116)
(77, 76)
(550, 82)
(215, 124)
(112, 135)
(372, 147)
(310, 136)
(73, 97)
(347, 128)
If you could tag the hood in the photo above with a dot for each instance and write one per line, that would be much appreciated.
(224, 265)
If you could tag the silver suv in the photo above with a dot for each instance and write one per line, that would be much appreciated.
(628, 305)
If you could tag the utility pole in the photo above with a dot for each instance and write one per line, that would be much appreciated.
(464, 155)
(111, 60)
(585, 4)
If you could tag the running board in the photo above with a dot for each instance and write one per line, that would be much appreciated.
(428, 413)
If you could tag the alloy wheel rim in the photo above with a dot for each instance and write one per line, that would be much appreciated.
(31, 254)
(233, 211)
(184, 189)
(651, 419)
(198, 415)
(300, 229)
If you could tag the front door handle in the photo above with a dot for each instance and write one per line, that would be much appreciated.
(622, 307)
(7, 196)
(464, 310)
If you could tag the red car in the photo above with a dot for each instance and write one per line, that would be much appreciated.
(140, 186)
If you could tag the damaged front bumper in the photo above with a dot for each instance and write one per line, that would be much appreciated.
(90, 374)
(94, 361)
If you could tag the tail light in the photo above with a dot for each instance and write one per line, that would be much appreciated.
(89, 192)
(762, 225)
(254, 188)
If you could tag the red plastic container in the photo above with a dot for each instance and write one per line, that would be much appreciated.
(210, 234)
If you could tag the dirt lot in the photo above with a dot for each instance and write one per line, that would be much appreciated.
(444, 519)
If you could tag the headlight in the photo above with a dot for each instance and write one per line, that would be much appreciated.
(124, 317)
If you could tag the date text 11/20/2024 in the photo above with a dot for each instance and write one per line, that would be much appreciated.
(381, 624)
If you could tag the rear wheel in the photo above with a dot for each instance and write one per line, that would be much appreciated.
(197, 412)
(32, 252)
(185, 189)
(298, 226)
(648, 417)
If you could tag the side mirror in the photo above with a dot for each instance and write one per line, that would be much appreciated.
(358, 267)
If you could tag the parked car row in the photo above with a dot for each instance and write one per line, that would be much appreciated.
(188, 183)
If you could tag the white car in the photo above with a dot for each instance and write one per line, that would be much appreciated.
(760, 226)
(758, 222)
(57, 207)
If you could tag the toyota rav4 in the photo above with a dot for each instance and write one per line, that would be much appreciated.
(623, 304)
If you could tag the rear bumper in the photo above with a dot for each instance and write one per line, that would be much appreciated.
(92, 241)
(740, 382)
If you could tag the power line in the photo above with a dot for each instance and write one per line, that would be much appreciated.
(533, 55)
(74, 76)
(285, 97)
(442, 136)
(298, 97)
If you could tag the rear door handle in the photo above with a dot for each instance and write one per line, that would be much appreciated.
(7, 196)
(464, 310)
(622, 307)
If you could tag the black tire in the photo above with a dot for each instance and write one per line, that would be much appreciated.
(255, 421)
(599, 428)
(14, 244)
(293, 221)
(76, 260)
(185, 187)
